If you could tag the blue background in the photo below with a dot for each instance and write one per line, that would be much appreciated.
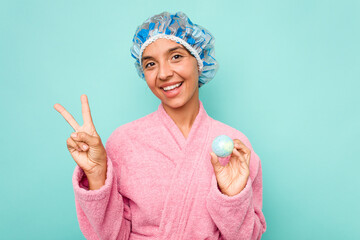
(288, 79)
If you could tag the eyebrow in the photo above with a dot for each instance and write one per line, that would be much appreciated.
(169, 50)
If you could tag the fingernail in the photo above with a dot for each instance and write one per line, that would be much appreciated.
(85, 147)
(74, 135)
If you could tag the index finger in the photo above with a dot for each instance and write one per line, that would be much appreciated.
(241, 146)
(68, 117)
(86, 110)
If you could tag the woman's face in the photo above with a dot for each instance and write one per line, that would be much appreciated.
(171, 73)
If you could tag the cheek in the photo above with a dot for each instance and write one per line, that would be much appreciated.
(190, 71)
(195, 69)
(150, 79)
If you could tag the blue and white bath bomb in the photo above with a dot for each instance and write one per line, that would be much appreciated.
(222, 146)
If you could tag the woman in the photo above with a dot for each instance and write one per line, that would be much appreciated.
(158, 178)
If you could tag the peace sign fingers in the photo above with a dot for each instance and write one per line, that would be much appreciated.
(68, 117)
(86, 111)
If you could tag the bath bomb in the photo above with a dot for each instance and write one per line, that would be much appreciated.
(222, 146)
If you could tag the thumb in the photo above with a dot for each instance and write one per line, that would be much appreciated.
(215, 162)
(86, 138)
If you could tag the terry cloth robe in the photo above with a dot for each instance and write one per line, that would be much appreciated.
(161, 185)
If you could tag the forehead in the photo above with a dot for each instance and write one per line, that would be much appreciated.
(161, 45)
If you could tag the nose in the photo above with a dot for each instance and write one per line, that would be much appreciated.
(165, 71)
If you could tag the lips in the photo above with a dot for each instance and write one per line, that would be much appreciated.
(172, 89)
(169, 86)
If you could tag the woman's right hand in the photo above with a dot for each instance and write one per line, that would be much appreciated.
(85, 145)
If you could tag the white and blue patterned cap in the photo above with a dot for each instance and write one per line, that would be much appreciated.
(179, 28)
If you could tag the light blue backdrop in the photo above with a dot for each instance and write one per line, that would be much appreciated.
(289, 79)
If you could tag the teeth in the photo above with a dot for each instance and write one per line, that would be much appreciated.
(171, 87)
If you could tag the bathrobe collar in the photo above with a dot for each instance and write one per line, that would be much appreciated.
(200, 126)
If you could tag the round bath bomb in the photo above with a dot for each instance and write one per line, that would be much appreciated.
(222, 146)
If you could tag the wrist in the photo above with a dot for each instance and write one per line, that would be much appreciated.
(95, 184)
(96, 181)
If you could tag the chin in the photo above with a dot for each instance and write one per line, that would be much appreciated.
(176, 103)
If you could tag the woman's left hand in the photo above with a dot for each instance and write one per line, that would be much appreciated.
(232, 177)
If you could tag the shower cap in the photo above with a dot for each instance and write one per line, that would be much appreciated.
(177, 27)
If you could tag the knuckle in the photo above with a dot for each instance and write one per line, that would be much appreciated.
(70, 144)
(239, 142)
(80, 135)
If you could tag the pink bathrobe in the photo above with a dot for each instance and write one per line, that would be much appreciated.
(160, 185)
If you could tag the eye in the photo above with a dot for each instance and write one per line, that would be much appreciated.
(150, 64)
(177, 56)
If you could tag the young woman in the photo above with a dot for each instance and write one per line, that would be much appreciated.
(158, 177)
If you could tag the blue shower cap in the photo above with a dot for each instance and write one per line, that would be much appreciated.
(180, 29)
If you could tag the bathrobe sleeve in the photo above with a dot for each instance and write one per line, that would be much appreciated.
(102, 213)
(239, 216)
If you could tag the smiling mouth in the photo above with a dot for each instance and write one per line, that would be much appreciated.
(172, 87)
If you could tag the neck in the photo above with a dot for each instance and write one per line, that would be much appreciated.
(185, 115)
